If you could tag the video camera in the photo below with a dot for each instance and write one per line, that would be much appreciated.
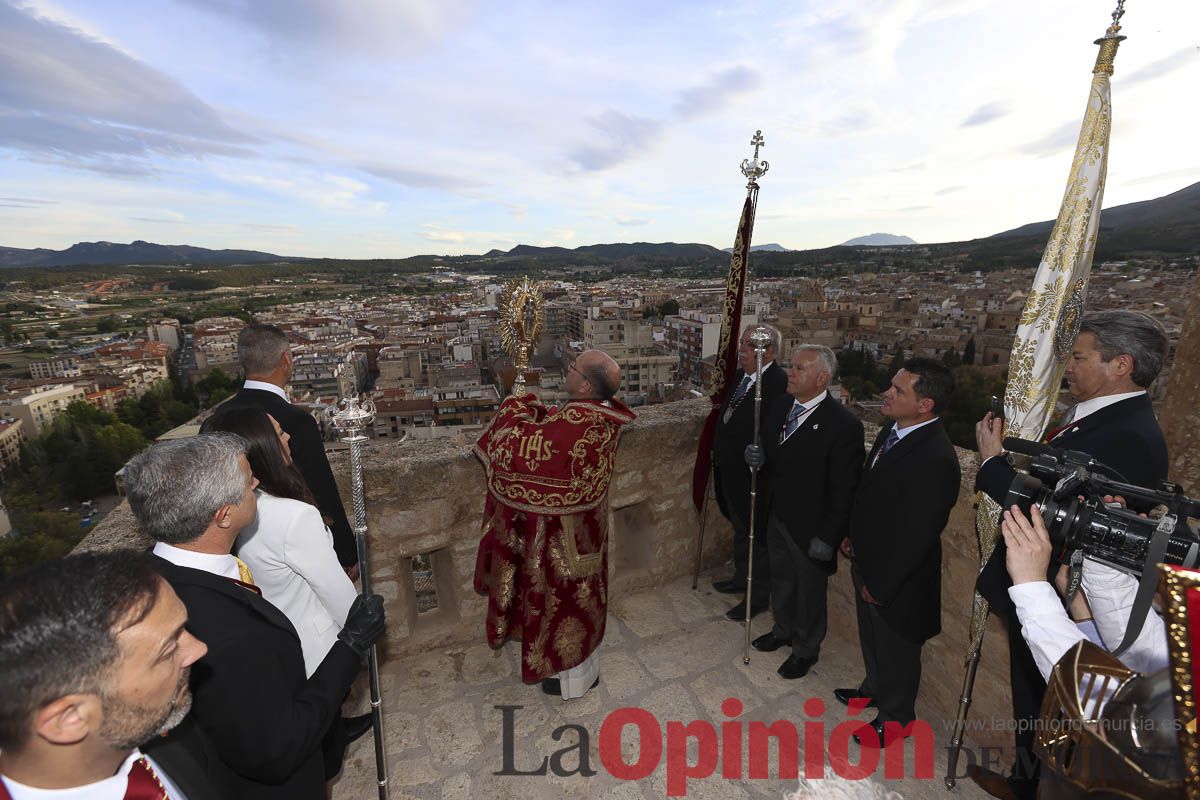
(1077, 517)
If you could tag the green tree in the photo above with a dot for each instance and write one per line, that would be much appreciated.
(968, 356)
(39, 536)
(972, 398)
(951, 359)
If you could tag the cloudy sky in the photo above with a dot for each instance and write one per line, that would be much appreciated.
(387, 128)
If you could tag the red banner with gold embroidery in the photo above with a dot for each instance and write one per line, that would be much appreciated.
(726, 364)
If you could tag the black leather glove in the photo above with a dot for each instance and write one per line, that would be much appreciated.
(364, 624)
(755, 456)
(819, 550)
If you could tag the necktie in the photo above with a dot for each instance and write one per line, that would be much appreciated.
(737, 398)
(244, 573)
(144, 783)
(792, 422)
(888, 444)
(1062, 425)
(741, 390)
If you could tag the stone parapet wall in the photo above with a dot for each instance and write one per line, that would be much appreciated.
(426, 497)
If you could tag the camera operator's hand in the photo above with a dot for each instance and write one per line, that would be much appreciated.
(1028, 545)
(364, 624)
(755, 456)
(989, 436)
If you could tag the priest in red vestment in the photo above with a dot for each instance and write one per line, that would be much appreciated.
(543, 559)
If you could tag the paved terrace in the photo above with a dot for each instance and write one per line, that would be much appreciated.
(668, 649)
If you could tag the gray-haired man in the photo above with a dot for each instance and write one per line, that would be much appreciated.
(814, 451)
(266, 720)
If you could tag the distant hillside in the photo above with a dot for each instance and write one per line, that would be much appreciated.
(139, 252)
(762, 248)
(878, 240)
(614, 251)
(1170, 223)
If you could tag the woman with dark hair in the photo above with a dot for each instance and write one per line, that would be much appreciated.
(288, 548)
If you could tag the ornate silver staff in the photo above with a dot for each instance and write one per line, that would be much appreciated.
(352, 416)
(760, 338)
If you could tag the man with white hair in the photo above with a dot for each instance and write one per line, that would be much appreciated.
(813, 452)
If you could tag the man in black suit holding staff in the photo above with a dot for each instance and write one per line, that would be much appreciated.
(909, 485)
(734, 433)
(814, 452)
(266, 358)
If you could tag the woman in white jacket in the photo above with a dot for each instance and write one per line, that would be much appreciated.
(289, 551)
(289, 548)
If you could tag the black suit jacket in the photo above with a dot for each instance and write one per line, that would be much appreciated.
(730, 472)
(308, 454)
(1125, 436)
(189, 759)
(810, 479)
(250, 697)
(900, 509)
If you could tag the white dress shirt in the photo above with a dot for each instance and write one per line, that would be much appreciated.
(1086, 407)
(809, 407)
(265, 387)
(108, 789)
(225, 566)
(900, 434)
(290, 552)
(1050, 633)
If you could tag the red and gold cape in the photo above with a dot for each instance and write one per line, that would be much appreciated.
(543, 557)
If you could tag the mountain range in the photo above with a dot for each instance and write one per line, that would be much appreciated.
(1168, 224)
(139, 252)
(879, 240)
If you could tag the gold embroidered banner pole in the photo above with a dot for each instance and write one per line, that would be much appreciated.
(1049, 323)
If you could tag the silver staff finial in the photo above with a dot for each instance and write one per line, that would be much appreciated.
(752, 168)
(351, 414)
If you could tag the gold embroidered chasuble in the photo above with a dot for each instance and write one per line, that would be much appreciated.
(543, 557)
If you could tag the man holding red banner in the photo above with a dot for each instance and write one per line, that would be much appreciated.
(734, 433)
(543, 559)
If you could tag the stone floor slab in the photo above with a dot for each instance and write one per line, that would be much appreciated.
(669, 651)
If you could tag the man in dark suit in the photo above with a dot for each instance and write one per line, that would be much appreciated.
(814, 456)
(266, 720)
(908, 488)
(266, 358)
(734, 433)
(96, 659)
(1115, 358)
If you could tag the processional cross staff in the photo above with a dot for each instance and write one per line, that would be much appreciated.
(352, 416)
(754, 169)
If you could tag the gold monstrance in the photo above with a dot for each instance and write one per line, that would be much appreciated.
(521, 318)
